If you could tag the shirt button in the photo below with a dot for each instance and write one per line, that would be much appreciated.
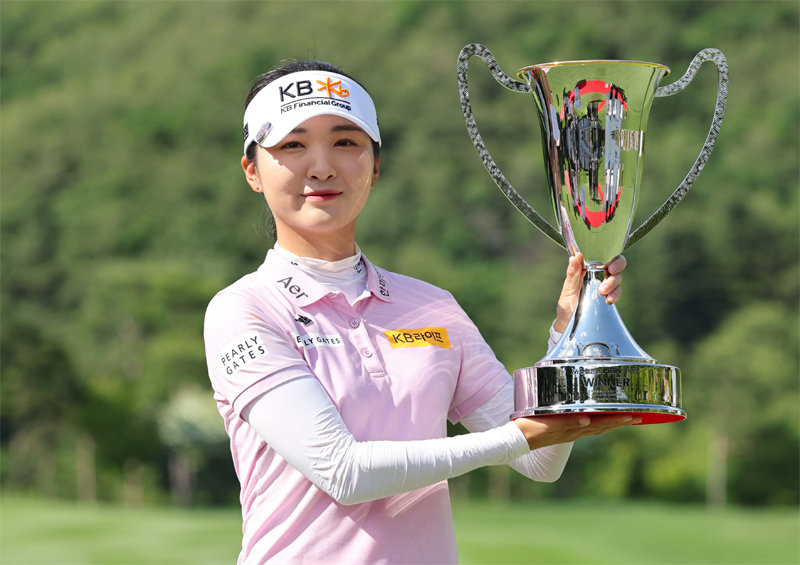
(354, 323)
(366, 353)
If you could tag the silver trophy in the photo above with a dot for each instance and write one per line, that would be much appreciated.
(593, 116)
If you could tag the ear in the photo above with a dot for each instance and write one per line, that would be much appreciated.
(376, 171)
(251, 174)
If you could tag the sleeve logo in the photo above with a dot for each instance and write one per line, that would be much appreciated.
(236, 355)
(420, 337)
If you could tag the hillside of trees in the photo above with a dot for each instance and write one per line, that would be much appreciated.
(124, 209)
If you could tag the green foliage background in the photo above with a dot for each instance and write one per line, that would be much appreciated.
(124, 210)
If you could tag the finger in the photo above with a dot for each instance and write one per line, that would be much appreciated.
(571, 289)
(610, 284)
(613, 296)
(612, 417)
(562, 421)
(602, 423)
(616, 265)
(574, 276)
(576, 263)
(579, 421)
(575, 268)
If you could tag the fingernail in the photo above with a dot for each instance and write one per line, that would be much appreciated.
(584, 421)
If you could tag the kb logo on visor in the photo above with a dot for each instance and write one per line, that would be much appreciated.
(304, 88)
(331, 87)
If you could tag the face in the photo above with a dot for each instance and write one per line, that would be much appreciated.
(316, 181)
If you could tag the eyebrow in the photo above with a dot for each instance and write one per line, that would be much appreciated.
(342, 127)
(347, 127)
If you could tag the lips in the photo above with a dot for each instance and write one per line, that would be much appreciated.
(321, 195)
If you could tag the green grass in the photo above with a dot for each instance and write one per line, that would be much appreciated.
(59, 533)
(555, 532)
(552, 532)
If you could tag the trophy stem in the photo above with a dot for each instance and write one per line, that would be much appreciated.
(596, 330)
(597, 367)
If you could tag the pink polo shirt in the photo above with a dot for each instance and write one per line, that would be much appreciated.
(397, 364)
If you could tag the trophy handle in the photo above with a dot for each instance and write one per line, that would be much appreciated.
(719, 59)
(466, 108)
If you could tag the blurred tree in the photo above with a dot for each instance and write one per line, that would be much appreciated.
(189, 425)
(748, 386)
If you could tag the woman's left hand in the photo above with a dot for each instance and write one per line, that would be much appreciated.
(571, 291)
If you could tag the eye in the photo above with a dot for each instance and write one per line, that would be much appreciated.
(290, 145)
(345, 142)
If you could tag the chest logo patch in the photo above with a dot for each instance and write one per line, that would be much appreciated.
(419, 337)
(318, 340)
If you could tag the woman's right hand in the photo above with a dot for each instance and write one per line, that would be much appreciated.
(541, 431)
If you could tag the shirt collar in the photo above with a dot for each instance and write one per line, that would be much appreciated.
(301, 289)
(291, 282)
(377, 281)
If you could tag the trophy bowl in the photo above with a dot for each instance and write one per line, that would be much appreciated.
(593, 117)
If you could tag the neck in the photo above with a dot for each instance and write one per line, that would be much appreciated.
(331, 247)
(320, 268)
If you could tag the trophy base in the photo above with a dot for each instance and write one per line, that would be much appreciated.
(649, 390)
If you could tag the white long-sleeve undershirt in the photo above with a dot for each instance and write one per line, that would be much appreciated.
(301, 423)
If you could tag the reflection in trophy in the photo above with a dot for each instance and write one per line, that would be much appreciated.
(593, 116)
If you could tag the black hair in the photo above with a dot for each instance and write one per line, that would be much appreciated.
(289, 68)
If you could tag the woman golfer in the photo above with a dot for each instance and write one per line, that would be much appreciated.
(335, 378)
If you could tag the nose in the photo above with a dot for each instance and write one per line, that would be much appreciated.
(321, 166)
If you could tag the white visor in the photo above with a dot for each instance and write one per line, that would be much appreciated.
(287, 102)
